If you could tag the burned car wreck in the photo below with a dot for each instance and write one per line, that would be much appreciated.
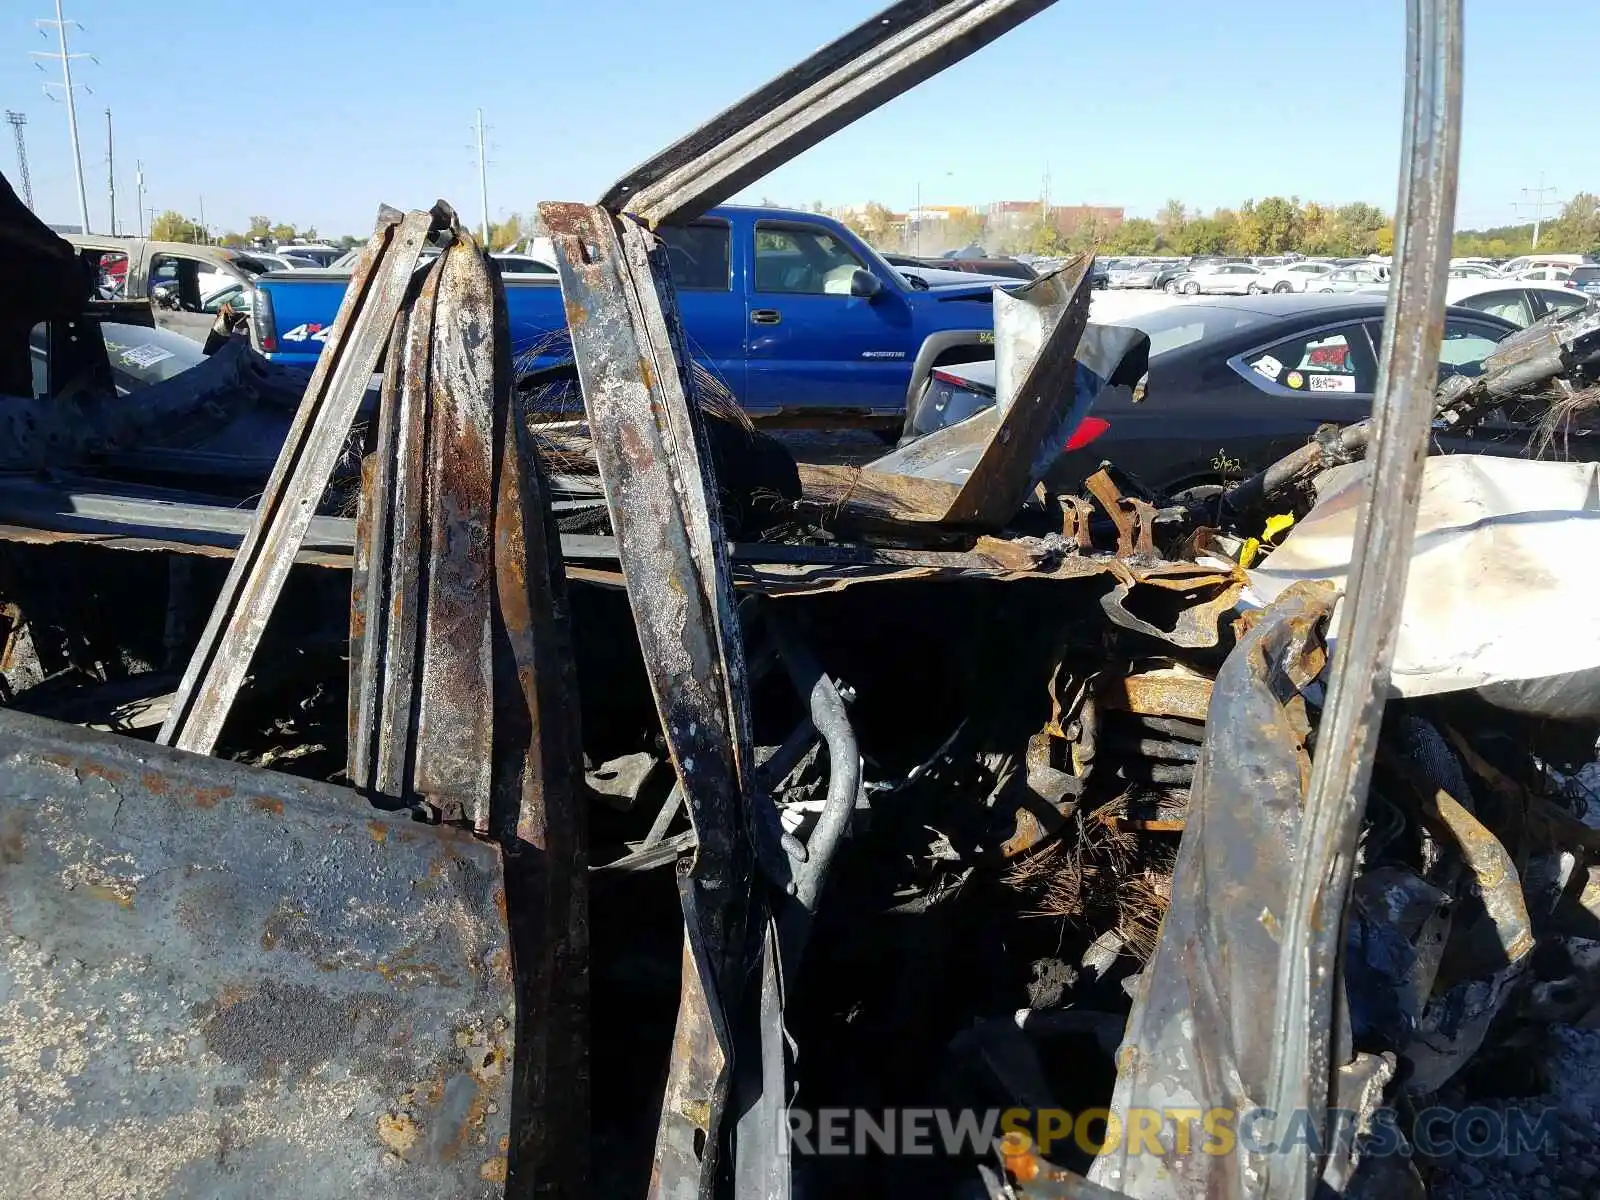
(515, 784)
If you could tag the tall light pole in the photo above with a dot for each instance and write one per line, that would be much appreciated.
(138, 193)
(17, 121)
(111, 174)
(483, 180)
(65, 85)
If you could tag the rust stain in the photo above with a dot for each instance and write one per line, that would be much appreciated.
(398, 1132)
(379, 831)
(266, 804)
(499, 898)
(86, 768)
(154, 782)
(494, 1170)
(1162, 694)
(231, 995)
(121, 895)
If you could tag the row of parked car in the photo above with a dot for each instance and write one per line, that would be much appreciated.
(1218, 276)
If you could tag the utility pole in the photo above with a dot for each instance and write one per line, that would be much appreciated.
(138, 193)
(1538, 204)
(18, 120)
(111, 174)
(205, 234)
(65, 85)
(483, 180)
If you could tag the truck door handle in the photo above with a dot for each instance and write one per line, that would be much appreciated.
(765, 316)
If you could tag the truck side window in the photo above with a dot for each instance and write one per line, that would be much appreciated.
(803, 260)
(697, 256)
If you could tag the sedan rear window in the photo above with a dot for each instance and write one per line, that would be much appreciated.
(1185, 324)
(1587, 274)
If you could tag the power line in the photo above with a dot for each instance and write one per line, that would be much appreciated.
(65, 59)
(18, 120)
(1538, 204)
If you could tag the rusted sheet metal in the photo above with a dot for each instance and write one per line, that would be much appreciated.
(995, 458)
(655, 464)
(1187, 601)
(1305, 991)
(455, 701)
(1161, 693)
(377, 288)
(1189, 1041)
(218, 980)
(876, 61)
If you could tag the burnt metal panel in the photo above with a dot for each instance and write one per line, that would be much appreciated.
(377, 287)
(885, 55)
(655, 464)
(218, 980)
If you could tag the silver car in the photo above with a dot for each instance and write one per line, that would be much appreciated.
(1220, 279)
(1365, 277)
(1143, 276)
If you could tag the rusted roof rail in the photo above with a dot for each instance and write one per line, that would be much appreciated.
(882, 57)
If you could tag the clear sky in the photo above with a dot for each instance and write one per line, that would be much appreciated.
(314, 114)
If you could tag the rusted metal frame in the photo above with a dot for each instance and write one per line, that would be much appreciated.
(369, 593)
(1101, 487)
(654, 463)
(1144, 518)
(539, 802)
(215, 672)
(876, 61)
(455, 702)
(1308, 976)
(399, 606)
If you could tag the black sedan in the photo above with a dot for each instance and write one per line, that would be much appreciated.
(1236, 383)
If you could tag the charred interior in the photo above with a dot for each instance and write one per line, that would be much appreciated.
(431, 774)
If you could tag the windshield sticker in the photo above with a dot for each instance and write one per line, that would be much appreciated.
(1268, 366)
(1296, 380)
(1333, 383)
(147, 355)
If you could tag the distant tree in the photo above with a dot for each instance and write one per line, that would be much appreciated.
(1358, 226)
(173, 226)
(347, 241)
(260, 228)
(505, 234)
(816, 206)
(1385, 239)
(873, 223)
(233, 240)
(1170, 221)
(1577, 229)
(1136, 235)
(283, 233)
(963, 228)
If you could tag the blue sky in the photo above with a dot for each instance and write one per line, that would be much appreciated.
(314, 114)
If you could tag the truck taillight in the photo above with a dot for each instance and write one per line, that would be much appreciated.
(1088, 429)
(266, 326)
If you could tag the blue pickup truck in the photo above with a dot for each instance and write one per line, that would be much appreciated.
(804, 322)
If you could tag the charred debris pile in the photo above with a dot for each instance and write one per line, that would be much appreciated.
(495, 784)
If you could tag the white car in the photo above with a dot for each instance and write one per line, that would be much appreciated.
(1219, 279)
(1544, 274)
(1520, 302)
(1295, 277)
(1361, 277)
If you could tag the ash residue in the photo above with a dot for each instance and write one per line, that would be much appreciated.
(289, 1030)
